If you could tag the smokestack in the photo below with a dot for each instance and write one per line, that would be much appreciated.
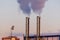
(27, 28)
(38, 28)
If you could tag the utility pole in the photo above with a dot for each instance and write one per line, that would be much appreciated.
(12, 28)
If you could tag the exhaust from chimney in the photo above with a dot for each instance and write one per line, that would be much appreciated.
(27, 28)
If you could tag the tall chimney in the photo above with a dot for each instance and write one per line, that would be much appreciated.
(27, 28)
(38, 28)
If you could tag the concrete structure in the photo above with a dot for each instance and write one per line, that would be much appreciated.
(27, 28)
(38, 28)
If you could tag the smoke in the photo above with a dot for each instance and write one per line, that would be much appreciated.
(24, 6)
(36, 5)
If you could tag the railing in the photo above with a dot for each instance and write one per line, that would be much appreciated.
(46, 37)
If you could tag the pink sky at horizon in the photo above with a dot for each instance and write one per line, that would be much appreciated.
(11, 15)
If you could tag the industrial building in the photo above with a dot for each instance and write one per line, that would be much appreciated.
(38, 36)
(34, 37)
(45, 37)
(10, 38)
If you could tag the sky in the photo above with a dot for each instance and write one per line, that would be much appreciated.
(10, 14)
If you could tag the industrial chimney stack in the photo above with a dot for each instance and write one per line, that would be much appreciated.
(27, 28)
(38, 28)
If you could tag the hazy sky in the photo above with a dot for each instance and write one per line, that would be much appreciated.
(10, 14)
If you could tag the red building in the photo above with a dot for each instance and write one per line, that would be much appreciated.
(10, 38)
